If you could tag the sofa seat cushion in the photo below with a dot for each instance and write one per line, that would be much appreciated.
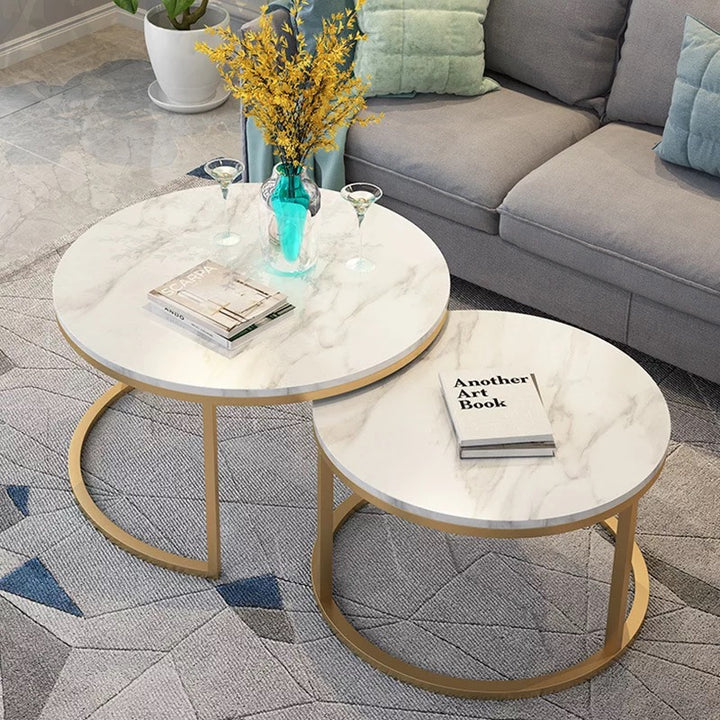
(457, 157)
(610, 208)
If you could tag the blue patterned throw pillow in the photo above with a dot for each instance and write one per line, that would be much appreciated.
(692, 131)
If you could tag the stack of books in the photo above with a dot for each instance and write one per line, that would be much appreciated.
(216, 304)
(496, 414)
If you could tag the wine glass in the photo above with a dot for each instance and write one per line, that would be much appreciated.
(225, 171)
(361, 196)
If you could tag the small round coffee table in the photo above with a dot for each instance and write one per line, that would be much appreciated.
(347, 329)
(393, 445)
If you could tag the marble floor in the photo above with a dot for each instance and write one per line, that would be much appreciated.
(79, 138)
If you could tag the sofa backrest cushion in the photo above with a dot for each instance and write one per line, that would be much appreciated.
(568, 49)
(643, 86)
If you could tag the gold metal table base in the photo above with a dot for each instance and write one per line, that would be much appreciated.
(210, 567)
(204, 568)
(620, 631)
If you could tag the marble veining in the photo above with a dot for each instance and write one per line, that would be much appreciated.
(610, 422)
(345, 325)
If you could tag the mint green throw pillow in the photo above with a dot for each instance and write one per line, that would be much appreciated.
(426, 47)
(692, 132)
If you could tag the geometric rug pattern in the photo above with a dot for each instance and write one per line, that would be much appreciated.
(34, 581)
(89, 631)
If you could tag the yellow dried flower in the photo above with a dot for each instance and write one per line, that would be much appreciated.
(298, 102)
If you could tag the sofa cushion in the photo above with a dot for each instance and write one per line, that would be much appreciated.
(457, 157)
(643, 85)
(567, 49)
(692, 132)
(410, 47)
(608, 207)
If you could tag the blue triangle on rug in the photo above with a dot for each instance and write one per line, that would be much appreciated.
(19, 495)
(262, 591)
(35, 582)
(199, 171)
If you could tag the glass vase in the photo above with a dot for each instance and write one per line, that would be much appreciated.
(291, 200)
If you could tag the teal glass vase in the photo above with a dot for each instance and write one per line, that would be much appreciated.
(291, 200)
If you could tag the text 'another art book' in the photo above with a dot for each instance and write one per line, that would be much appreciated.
(497, 414)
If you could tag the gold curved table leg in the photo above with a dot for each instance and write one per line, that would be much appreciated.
(204, 568)
(620, 632)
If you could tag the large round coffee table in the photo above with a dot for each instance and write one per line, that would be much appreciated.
(348, 329)
(394, 446)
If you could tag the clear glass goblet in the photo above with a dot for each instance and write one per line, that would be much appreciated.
(225, 171)
(361, 196)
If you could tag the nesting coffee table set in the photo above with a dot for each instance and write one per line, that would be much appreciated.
(385, 434)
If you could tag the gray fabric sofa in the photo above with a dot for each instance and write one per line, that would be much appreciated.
(561, 203)
(548, 191)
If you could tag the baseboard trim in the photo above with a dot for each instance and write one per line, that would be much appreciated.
(22, 48)
(53, 36)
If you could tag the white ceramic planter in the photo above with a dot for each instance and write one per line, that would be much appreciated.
(186, 76)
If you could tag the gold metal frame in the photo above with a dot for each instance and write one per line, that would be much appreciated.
(620, 630)
(205, 568)
(210, 567)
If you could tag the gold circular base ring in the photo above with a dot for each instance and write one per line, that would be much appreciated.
(104, 524)
(468, 687)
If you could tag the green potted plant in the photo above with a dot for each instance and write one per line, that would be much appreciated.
(186, 81)
(182, 9)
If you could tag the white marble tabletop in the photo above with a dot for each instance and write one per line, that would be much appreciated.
(609, 419)
(345, 326)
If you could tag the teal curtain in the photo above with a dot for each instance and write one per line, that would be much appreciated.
(326, 168)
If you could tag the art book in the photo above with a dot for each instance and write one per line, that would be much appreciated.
(217, 299)
(232, 344)
(496, 414)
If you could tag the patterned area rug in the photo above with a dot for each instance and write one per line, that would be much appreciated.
(88, 631)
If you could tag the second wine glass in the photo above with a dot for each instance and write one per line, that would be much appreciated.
(361, 196)
(225, 171)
